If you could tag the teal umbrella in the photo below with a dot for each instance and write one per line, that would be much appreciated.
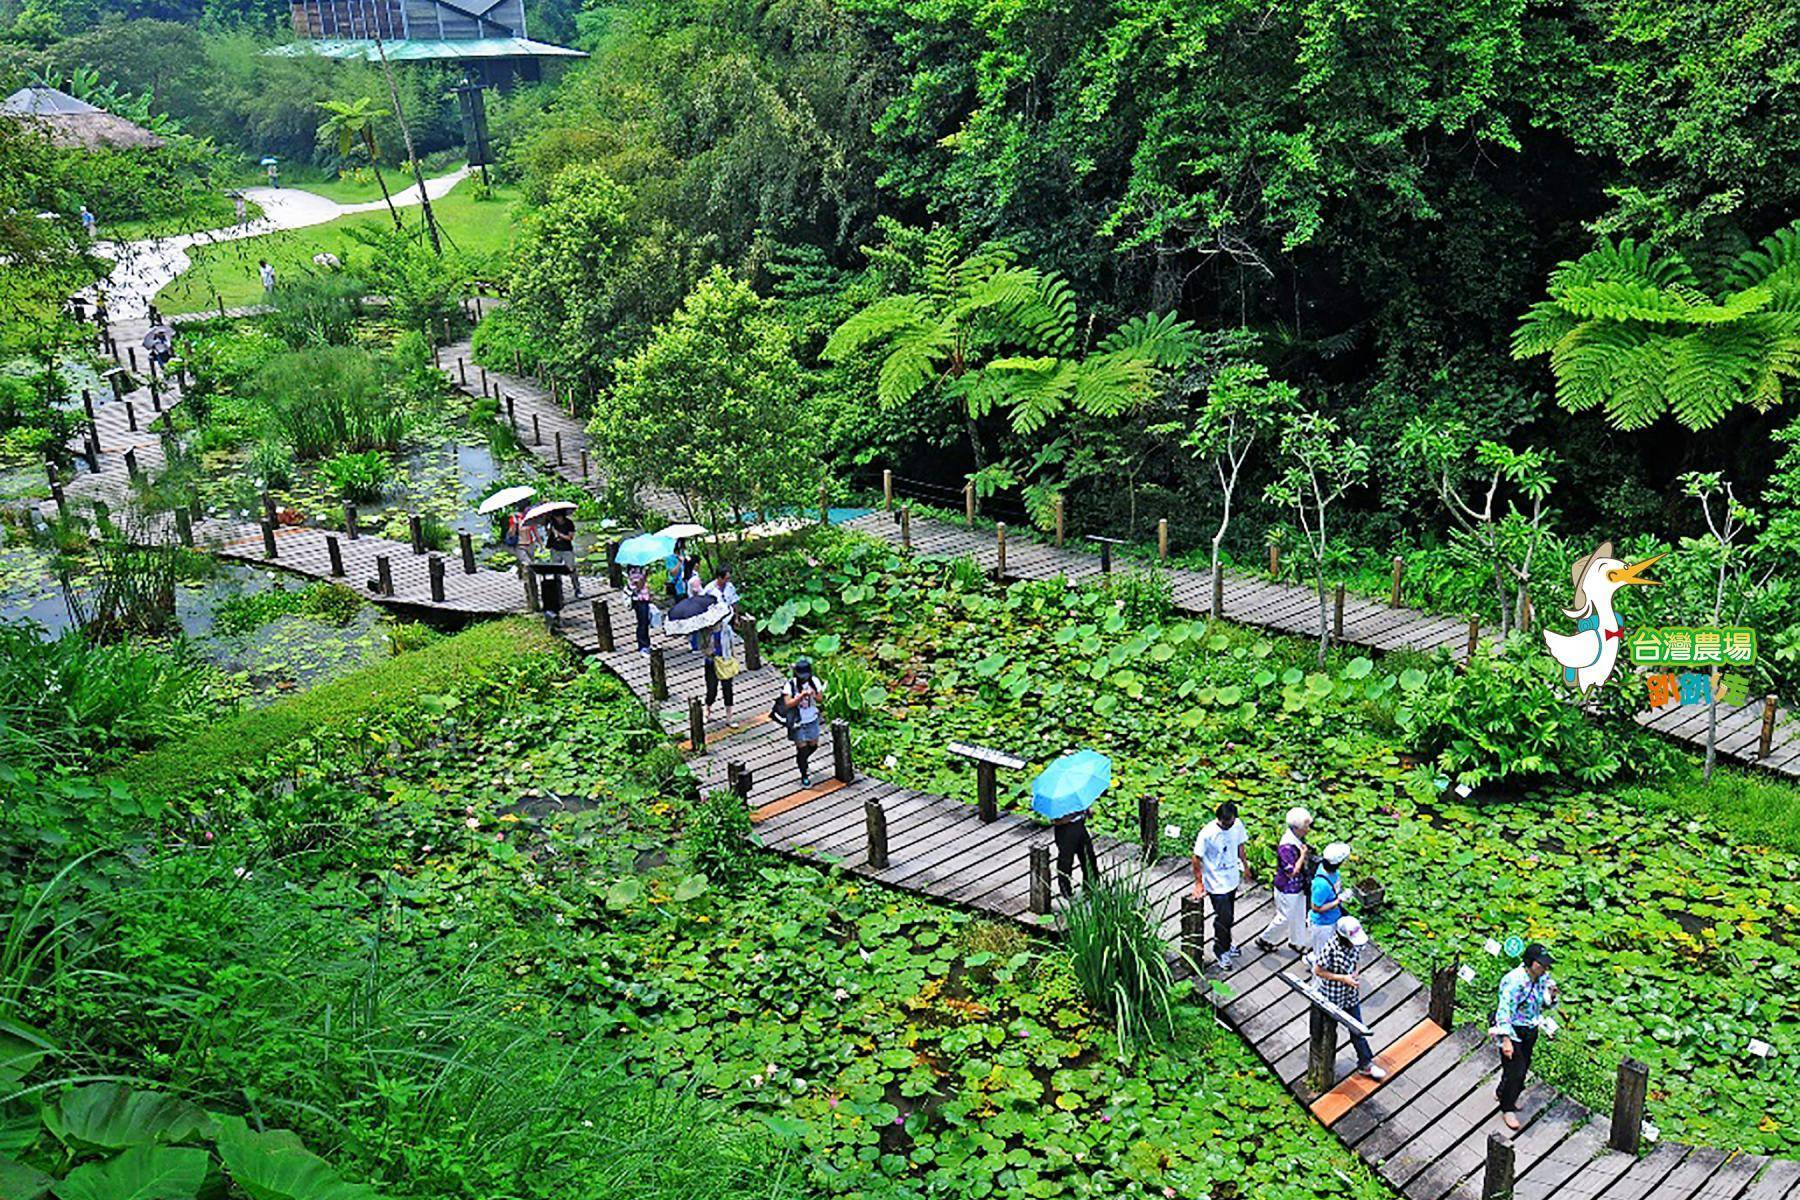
(1071, 784)
(644, 549)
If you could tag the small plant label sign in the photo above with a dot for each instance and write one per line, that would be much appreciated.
(1760, 1048)
(1171, 831)
(1492, 947)
(1466, 973)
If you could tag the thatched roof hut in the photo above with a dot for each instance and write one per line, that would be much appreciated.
(73, 123)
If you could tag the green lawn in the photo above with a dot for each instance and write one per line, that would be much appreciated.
(212, 211)
(227, 271)
(355, 185)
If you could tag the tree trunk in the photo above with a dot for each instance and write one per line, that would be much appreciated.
(369, 143)
(1324, 624)
(406, 135)
(975, 443)
(1500, 600)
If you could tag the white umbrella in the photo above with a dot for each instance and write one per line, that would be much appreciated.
(547, 507)
(683, 530)
(506, 498)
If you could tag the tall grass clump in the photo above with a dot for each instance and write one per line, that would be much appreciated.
(1120, 958)
(328, 399)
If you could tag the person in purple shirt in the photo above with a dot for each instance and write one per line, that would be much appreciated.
(1291, 854)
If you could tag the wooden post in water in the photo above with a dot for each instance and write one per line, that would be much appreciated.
(697, 724)
(887, 490)
(842, 767)
(1765, 738)
(131, 416)
(335, 553)
(1629, 1089)
(875, 826)
(1040, 878)
(906, 529)
(1000, 549)
(1056, 512)
(131, 464)
(415, 532)
(969, 503)
(1321, 1053)
(184, 525)
(350, 520)
(466, 544)
(268, 532)
(615, 575)
(752, 645)
(603, 631)
(559, 456)
(1337, 614)
(384, 575)
(1162, 540)
(87, 403)
(1193, 928)
(1497, 1174)
(1149, 826)
(434, 569)
(1442, 1009)
(1399, 571)
(659, 674)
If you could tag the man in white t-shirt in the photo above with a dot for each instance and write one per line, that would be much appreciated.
(1220, 864)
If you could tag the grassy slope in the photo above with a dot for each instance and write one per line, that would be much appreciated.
(170, 771)
(228, 271)
(213, 212)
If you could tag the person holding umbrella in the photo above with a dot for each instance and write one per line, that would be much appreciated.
(721, 667)
(1063, 792)
(559, 535)
(802, 698)
(522, 535)
(637, 555)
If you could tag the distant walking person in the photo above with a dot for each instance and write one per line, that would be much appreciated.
(559, 536)
(1073, 842)
(1220, 865)
(522, 536)
(267, 274)
(1291, 853)
(1334, 965)
(721, 668)
(802, 698)
(88, 222)
(1326, 902)
(243, 210)
(637, 590)
(1526, 993)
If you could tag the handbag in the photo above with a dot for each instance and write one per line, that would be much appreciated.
(725, 668)
(656, 617)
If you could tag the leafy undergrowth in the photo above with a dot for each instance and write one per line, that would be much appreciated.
(433, 918)
(1674, 929)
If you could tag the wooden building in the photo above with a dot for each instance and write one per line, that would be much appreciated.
(486, 38)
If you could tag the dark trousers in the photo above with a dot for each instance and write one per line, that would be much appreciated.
(1224, 906)
(1072, 842)
(642, 609)
(715, 685)
(1364, 1055)
(1512, 1070)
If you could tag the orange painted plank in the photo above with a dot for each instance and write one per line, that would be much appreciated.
(775, 808)
(1330, 1107)
(727, 731)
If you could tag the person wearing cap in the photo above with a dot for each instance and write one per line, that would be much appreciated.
(1289, 921)
(802, 699)
(1525, 993)
(1334, 966)
(1220, 865)
(1325, 904)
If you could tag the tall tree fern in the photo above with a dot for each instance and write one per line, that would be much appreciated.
(1637, 336)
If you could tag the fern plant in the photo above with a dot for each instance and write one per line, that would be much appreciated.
(987, 333)
(1636, 335)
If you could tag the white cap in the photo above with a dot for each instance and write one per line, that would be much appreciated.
(1337, 852)
(1298, 817)
(1351, 930)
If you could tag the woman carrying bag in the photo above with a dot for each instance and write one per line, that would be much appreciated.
(721, 668)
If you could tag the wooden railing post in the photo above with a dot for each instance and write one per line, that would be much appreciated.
(1765, 737)
(462, 371)
(1629, 1089)
(1274, 561)
(87, 403)
(584, 463)
(384, 575)
(1321, 1054)
(131, 416)
(268, 532)
(752, 646)
(62, 507)
(659, 674)
(268, 507)
(529, 581)
(131, 463)
(1474, 639)
(842, 766)
(415, 531)
(1162, 540)
(434, 571)
(1399, 571)
(559, 454)
(1442, 1008)
(537, 430)
(1337, 614)
(484, 382)
(1497, 1175)
(1056, 512)
(697, 724)
(734, 778)
(1149, 826)
(335, 553)
(184, 524)
(887, 490)
(603, 630)
(615, 574)
(350, 521)
(875, 826)
(987, 791)
(1106, 558)
(466, 544)
(1040, 878)
(906, 529)
(1193, 928)
(1000, 551)
(969, 503)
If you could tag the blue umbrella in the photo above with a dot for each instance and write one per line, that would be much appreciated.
(1071, 784)
(268, 162)
(644, 549)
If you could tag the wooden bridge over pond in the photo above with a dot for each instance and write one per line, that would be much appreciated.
(1431, 1129)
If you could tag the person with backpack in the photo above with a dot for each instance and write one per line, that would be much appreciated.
(1293, 871)
(801, 702)
(1334, 968)
(1326, 901)
(1220, 865)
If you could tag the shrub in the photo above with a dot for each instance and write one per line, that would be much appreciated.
(1120, 958)
(316, 310)
(330, 399)
(272, 463)
(718, 838)
(360, 478)
(330, 602)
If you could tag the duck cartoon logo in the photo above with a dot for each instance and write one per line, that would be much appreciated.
(1589, 655)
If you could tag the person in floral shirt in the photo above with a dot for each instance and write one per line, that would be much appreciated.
(1526, 993)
